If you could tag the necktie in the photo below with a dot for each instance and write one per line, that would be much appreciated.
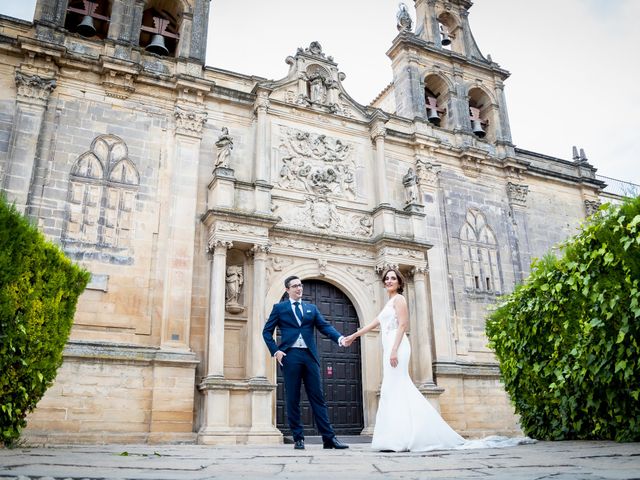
(298, 311)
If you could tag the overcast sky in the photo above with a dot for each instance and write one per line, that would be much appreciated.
(575, 66)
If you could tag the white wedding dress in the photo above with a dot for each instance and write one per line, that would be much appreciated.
(406, 421)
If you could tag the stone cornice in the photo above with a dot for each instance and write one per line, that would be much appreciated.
(216, 383)
(406, 39)
(467, 369)
(128, 353)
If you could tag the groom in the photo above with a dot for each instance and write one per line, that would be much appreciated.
(298, 356)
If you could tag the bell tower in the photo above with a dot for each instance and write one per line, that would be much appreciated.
(441, 77)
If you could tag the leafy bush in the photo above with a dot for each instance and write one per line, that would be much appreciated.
(567, 339)
(39, 288)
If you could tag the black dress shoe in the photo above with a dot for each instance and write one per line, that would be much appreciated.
(334, 443)
(298, 445)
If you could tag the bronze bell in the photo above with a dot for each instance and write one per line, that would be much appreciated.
(433, 117)
(478, 131)
(157, 45)
(86, 27)
(445, 39)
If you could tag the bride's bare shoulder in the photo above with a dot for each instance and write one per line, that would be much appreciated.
(399, 300)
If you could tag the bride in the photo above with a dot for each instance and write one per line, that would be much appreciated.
(405, 421)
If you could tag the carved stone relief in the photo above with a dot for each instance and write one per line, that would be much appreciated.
(591, 206)
(316, 164)
(34, 89)
(252, 230)
(427, 173)
(190, 122)
(302, 245)
(275, 265)
(321, 215)
(517, 194)
(402, 252)
(367, 276)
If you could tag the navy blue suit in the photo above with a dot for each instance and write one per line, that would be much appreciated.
(301, 364)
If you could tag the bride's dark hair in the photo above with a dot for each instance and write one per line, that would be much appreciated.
(398, 274)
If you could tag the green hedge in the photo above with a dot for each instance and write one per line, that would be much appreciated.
(568, 338)
(39, 288)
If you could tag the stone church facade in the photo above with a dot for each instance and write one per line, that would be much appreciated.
(191, 192)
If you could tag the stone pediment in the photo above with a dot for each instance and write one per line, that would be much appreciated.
(314, 82)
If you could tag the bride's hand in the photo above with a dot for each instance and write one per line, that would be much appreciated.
(394, 358)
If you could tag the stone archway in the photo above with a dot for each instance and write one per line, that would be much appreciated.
(340, 367)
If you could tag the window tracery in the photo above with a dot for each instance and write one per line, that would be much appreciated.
(480, 255)
(103, 185)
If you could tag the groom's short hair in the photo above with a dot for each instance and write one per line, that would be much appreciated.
(287, 280)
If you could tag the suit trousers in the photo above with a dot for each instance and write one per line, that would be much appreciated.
(298, 367)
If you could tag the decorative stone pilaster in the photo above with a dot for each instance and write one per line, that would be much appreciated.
(378, 133)
(181, 173)
(261, 162)
(33, 94)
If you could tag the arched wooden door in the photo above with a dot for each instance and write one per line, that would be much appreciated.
(340, 367)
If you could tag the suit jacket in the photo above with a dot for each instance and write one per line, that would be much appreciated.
(282, 316)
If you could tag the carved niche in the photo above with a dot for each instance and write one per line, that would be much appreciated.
(317, 164)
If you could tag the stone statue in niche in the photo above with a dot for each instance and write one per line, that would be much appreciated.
(234, 282)
(410, 182)
(224, 145)
(317, 89)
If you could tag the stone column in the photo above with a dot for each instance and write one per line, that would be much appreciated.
(180, 229)
(258, 353)
(424, 329)
(32, 98)
(261, 165)
(262, 424)
(215, 356)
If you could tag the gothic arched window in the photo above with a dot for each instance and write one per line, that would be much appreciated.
(102, 188)
(479, 255)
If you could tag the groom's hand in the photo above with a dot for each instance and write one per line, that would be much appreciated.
(279, 356)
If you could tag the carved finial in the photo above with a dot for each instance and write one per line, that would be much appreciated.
(579, 157)
(403, 19)
(315, 49)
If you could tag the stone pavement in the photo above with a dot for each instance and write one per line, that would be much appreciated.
(542, 460)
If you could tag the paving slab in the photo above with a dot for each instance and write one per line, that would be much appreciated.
(575, 460)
